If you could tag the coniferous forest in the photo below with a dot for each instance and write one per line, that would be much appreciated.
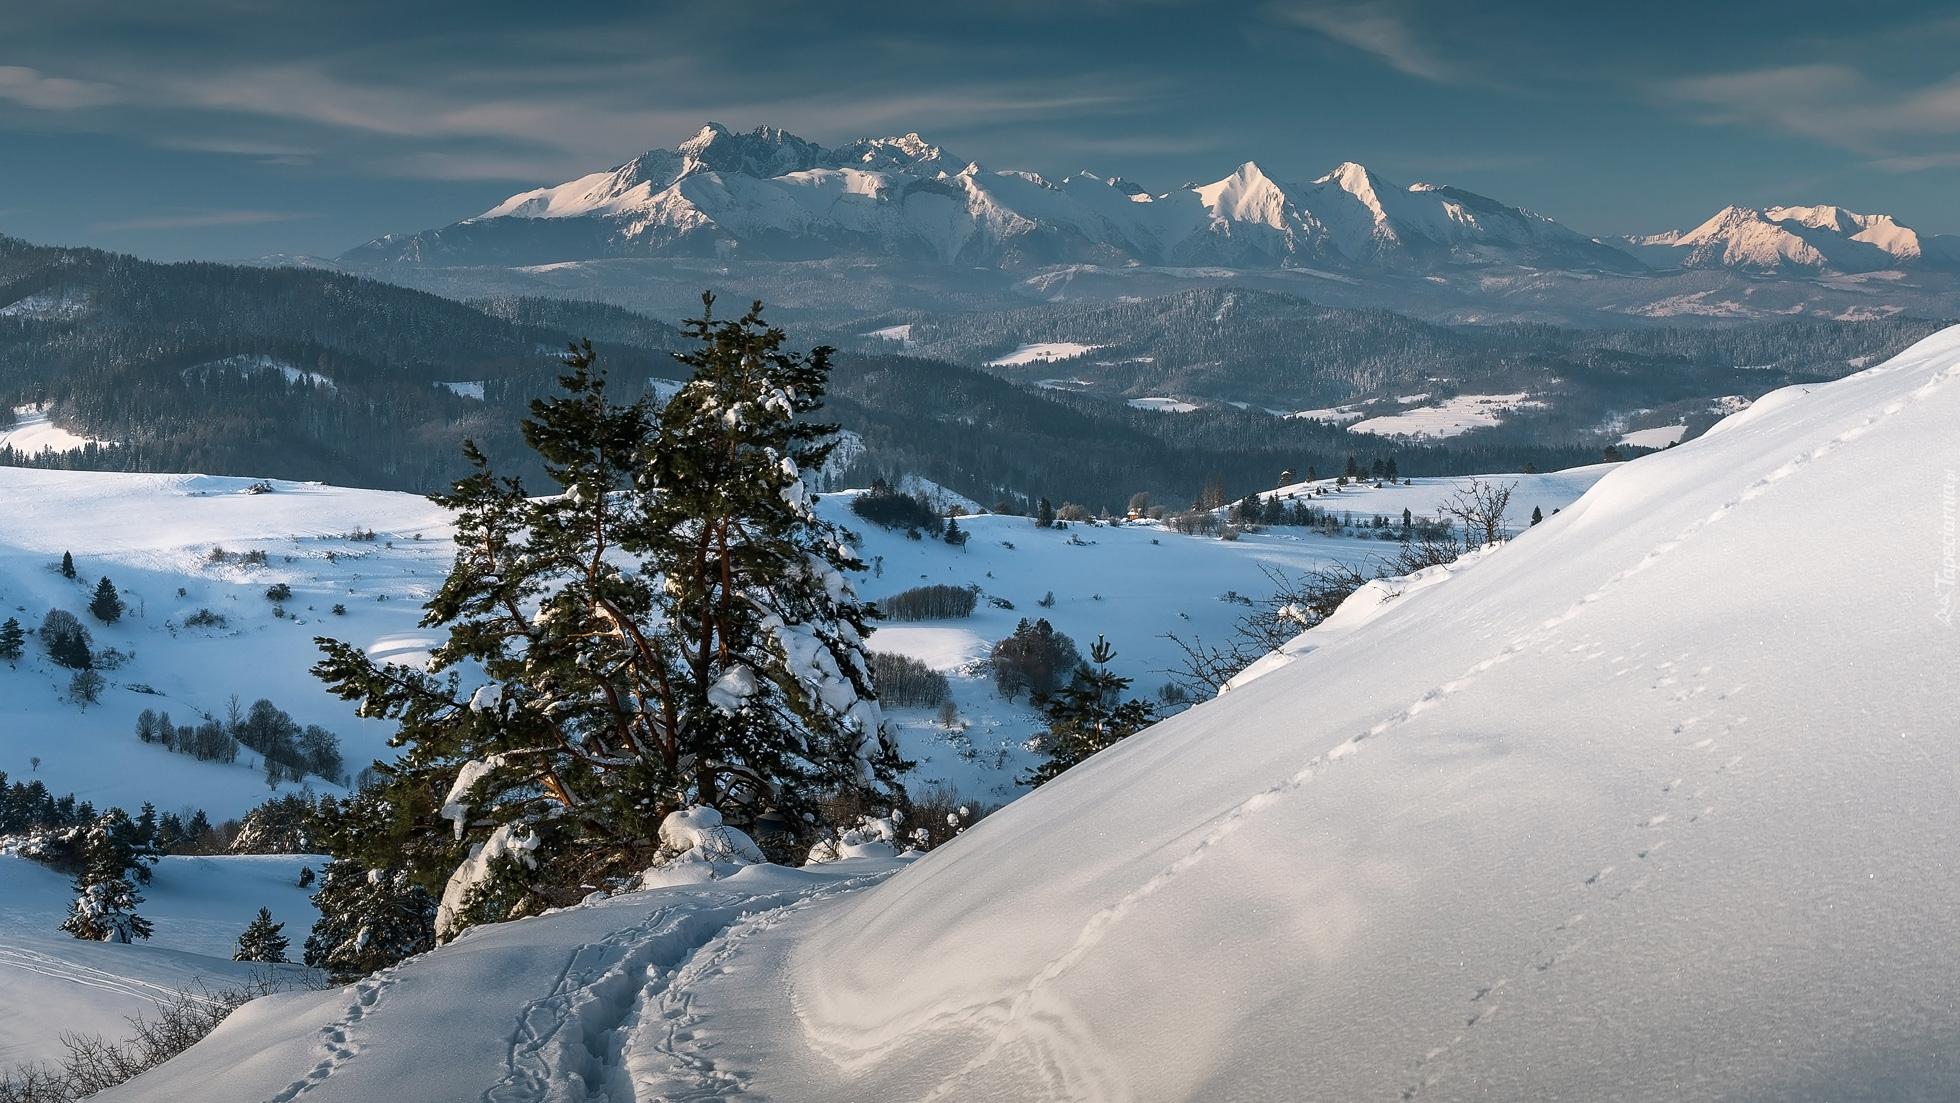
(304, 373)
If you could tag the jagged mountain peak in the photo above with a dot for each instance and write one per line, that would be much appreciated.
(726, 193)
(1820, 238)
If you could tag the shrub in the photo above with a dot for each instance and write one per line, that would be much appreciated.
(1036, 660)
(86, 687)
(930, 603)
(66, 639)
(905, 682)
(205, 618)
(279, 591)
(179, 1021)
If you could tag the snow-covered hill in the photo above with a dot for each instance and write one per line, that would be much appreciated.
(772, 195)
(1654, 803)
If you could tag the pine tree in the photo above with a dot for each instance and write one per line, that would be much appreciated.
(1044, 515)
(955, 535)
(1087, 716)
(262, 941)
(674, 628)
(67, 565)
(104, 909)
(369, 920)
(1537, 515)
(12, 640)
(106, 606)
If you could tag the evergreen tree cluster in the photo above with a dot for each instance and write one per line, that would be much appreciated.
(672, 629)
(1086, 716)
(369, 919)
(288, 824)
(27, 805)
(889, 509)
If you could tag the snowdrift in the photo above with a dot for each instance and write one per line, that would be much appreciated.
(1655, 803)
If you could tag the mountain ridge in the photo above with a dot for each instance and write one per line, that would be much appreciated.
(769, 194)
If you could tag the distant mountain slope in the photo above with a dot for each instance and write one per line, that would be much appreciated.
(314, 374)
(771, 195)
(284, 372)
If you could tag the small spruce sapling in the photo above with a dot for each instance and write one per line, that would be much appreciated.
(67, 565)
(104, 909)
(262, 942)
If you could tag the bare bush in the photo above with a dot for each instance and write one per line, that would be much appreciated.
(1297, 604)
(179, 1021)
(905, 682)
(1480, 506)
(930, 603)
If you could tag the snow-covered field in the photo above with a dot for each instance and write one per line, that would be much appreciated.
(1449, 418)
(154, 535)
(1041, 353)
(1659, 437)
(33, 432)
(1653, 803)
(1163, 404)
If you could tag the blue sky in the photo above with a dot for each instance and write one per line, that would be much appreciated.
(234, 128)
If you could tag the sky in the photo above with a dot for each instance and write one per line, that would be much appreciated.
(226, 129)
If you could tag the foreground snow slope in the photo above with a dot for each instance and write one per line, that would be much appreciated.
(1655, 803)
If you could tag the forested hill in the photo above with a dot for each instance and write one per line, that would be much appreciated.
(284, 372)
(312, 374)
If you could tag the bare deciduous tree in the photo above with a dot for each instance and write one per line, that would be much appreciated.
(1480, 507)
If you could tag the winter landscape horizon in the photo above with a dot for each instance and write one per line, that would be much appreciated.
(1330, 550)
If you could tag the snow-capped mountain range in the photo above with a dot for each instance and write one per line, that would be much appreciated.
(900, 223)
(771, 195)
(1818, 239)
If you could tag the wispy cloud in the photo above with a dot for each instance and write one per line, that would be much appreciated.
(1835, 104)
(199, 220)
(29, 88)
(1383, 28)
